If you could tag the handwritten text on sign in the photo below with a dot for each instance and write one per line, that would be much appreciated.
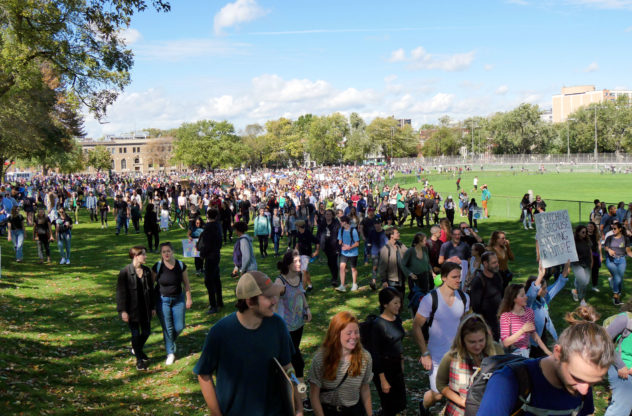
(555, 238)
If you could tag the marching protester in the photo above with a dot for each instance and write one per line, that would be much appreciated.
(583, 266)
(63, 235)
(43, 234)
(239, 349)
(151, 228)
(499, 244)
(616, 248)
(211, 239)
(387, 350)
(348, 241)
(243, 251)
(304, 241)
(135, 301)
(16, 232)
(293, 307)
(170, 276)
(341, 371)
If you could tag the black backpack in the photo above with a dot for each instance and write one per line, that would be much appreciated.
(366, 330)
(517, 364)
(425, 329)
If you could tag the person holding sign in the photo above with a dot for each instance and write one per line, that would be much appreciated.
(616, 247)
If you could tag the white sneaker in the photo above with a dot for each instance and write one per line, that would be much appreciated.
(62, 261)
(171, 358)
(596, 289)
(575, 297)
(354, 287)
(67, 261)
(341, 288)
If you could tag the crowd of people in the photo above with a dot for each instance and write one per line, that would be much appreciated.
(457, 287)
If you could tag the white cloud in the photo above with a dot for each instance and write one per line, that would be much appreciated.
(390, 78)
(241, 11)
(420, 59)
(275, 88)
(604, 4)
(488, 67)
(628, 29)
(181, 49)
(502, 90)
(398, 56)
(130, 36)
(592, 67)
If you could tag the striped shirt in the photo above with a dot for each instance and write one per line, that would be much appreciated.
(510, 323)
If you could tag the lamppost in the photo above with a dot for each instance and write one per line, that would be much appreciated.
(473, 127)
(568, 140)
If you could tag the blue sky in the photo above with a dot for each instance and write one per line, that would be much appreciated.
(249, 61)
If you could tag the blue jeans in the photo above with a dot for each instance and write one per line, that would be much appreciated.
(17, 238)
(276, 237)
(121, 222)
(621, 403)
(616, 267)
(170, 311)
(63, 243)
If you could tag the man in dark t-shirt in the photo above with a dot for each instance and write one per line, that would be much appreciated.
(121, 208)
(486, 292)
(240, 349)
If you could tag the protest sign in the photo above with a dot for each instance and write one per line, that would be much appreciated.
(477, 213)
(555, 238)
(189, 248)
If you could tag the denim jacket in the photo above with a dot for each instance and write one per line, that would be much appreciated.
(540, 306)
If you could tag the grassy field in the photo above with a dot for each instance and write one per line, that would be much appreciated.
(64, 350)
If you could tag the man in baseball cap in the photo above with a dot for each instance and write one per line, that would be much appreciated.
(240, 349)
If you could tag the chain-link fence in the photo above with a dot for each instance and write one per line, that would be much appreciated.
(509, 207)
(561, 162)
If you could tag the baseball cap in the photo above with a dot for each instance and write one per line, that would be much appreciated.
(255, 283)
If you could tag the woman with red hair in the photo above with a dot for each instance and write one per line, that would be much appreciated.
(341, 371)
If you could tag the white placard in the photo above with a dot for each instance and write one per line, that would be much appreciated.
(555, 238)
(189, 248)
(477, 213)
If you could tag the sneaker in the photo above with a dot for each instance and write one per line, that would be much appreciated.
(140, 365)
(595, 289)
(575, 297)
(341, 288)
(616, 301)
(307, 405)
(309, 288)
(354, 287)
(171, 358)
(62, 261)
(211, 311)
(67, 261)
(583, 302)
(372, 285)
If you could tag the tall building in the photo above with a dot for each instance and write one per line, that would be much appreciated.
(573, 98)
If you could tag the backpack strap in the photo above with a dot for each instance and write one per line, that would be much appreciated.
(435, 304)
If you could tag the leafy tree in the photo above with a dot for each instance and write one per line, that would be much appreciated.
(99, 158)
(358, 145)
(278, 137)
(519, 131)
(253, 141)
(326, 138)
(207, 144)
(386, 135)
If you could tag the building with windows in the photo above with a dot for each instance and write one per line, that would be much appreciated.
(135, 152)
(573, 98)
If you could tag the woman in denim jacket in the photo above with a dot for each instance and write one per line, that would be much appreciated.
(539, 296)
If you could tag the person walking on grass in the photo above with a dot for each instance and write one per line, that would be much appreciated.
(583, 266)
(170, 276)
(349, 241)
(263, 231)
(43, 234)
(304, 242)
(243, 251)
(63, 235)
(617, 247)
(15, 223)
(135, 302)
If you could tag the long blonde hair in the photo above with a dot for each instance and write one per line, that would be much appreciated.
(470, 324)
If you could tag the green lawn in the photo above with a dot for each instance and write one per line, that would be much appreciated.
(64, 350)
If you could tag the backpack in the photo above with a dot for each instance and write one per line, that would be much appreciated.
(366, 331)
(425, 329)
(517, 364)
(237, 253)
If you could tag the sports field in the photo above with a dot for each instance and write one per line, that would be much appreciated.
(64, 350)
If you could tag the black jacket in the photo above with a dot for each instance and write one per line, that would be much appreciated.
(151, 223)
(212, 239)
(127, 288)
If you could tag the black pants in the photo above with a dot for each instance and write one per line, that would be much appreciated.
(93, 214)
(394, 401)
(426, 216)
(594, 272)
(140, 333)
(297, 359)
(450, 214)
(263, 245)
(228, 231)
(135, 223)
(355, 410)
(199, 264)
(212, 282)
(473, 222)
(156, 239)
(104, 217)
(334, 268)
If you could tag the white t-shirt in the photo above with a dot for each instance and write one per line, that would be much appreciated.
(445, 324)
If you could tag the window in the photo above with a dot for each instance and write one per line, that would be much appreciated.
(113, 166)
(136, 160)
(123, 164)
(125, 150)
(120, 150)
